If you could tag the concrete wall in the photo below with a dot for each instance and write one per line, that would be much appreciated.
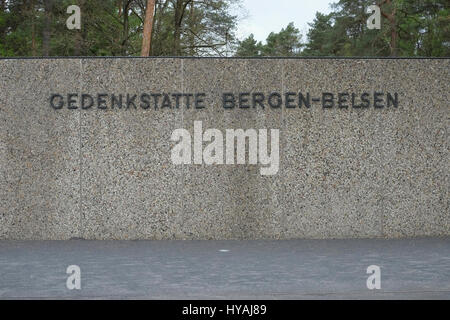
(108, 174)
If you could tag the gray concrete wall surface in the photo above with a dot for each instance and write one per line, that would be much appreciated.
(368, 158)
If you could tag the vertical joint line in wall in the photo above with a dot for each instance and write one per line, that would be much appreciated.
(282, 145)
(80, 163)
(383, 199)
(182, 165)
(282, 92)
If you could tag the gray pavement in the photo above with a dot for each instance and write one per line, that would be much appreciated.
(287, 269)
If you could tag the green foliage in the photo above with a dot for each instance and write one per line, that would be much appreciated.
(415, 28)
(207, 27)
(286, 43)
(114, 27)
(321, 35)
(418, 28)
(249, 47)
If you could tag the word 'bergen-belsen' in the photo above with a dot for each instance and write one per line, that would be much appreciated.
(243, 100)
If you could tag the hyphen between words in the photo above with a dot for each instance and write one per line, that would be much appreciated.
(243, 100)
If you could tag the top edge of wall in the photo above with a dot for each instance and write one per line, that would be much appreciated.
(226, 58)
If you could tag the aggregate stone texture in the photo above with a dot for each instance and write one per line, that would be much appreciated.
(39, 151)
(108, 174)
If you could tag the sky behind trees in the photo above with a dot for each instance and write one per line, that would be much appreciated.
(405, 28)
(261, 17)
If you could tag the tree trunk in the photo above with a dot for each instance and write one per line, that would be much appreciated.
(177, 28)
(180, 8)
(126, 27)
(4, 27)
(46, 33)
(192, 24)
(78, 49)
(148, 25)
(394, 37)
(393, 22)
(33, 29)
(160, 11)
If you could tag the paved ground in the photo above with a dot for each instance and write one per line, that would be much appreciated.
(292, 269)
